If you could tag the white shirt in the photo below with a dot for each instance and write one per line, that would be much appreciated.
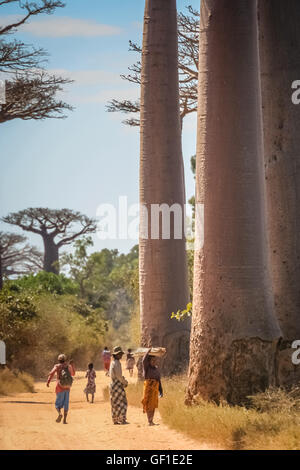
(115, 371)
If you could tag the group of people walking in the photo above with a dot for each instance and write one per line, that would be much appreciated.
(65, 372)
(130, 361)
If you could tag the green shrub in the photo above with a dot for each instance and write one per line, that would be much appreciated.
(56, 327)
(42, 283)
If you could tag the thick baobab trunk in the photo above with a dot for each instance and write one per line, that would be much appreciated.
(234, 332)
(51, 257)
(279, 42)
(163, 266)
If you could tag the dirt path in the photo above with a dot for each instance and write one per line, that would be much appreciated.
(27, 422)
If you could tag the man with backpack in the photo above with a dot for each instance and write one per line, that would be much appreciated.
(64, 379)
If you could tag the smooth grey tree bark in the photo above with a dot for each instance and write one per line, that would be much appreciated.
(163, 265)
(279, 41)
(234, 331)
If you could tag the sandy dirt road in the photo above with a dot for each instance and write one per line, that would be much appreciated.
(27, 422)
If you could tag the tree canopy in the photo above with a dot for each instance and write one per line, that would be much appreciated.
(57, 227)
(188, 50)
(31, 93)
(52, 222)
(16, 259)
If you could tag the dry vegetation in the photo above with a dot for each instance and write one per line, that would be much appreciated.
(271, 422)
(56, 326)
(15, 382)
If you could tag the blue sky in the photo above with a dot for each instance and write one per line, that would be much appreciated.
(89, 158)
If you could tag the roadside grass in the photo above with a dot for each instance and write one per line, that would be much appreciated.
(105, 392)
(15, 382)
(271, 422)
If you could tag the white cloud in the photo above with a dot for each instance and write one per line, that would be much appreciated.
(95, 86)
(63, 26)
(88, 77)
(104, 96)
(9, 19)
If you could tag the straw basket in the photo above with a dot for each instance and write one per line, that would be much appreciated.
(158, 352)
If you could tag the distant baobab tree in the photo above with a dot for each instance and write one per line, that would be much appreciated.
(56, 227)
(16, 259)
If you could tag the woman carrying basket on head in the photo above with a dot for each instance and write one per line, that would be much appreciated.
(152, 386)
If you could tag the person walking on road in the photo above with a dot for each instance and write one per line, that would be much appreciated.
(90, 388)
(106, 356)
(64, 378)
(130, 362)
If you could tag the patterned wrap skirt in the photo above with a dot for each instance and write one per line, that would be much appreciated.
(90, 388)
(150, 395)
(118, 400)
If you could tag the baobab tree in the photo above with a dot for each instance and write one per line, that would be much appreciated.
(34, 97)
(28, 10)
(163, 265)
(188, 46)
(280, 68)
(235, 334)
(56, 227)
(16, 259)
(30, 92)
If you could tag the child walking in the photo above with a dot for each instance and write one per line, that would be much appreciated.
(130, 362)
(91, 385)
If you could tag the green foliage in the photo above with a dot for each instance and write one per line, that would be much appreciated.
(20, 306)
(181, 315)
(17, 311)
(107, 281)
(46, 314)
(77, 262)
(59, 324)
(193, 164)
(41, 283)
